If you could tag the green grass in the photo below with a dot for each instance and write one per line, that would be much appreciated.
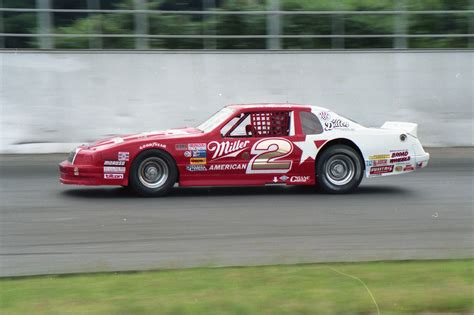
(397, 287)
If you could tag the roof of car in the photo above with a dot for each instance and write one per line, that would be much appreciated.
(272, 105)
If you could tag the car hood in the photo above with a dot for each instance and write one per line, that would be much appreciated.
(145, 136)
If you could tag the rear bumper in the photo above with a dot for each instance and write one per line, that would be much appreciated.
(85, 175)
(422, 160)
(386, 168)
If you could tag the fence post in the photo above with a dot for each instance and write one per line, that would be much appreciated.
(209, 43)
(44, 24)
(2, 30)
(95, 42)
(471, 25)
(141, 25)
(338, 28)
(273, 25)
(401, 26)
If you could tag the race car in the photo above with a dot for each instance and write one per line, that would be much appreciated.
(251, 144)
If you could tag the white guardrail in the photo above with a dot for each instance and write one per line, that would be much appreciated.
(52, 100)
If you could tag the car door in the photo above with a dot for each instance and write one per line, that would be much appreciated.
(258, 148)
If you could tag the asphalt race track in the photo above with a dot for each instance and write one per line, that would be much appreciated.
(48, 228)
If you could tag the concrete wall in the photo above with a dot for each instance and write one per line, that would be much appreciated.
(52, 100)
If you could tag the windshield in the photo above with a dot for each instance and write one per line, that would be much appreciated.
(215, 120)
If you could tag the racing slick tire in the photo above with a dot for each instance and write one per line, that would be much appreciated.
(339, 169)
(153, 173)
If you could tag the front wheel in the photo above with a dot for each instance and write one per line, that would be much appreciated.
(339, 169)
(153, 173)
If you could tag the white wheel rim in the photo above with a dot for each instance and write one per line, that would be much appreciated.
(153, 172)
(339, 169)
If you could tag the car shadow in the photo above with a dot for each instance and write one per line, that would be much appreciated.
(121, 192)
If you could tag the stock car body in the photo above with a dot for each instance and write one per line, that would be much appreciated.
(255, 144)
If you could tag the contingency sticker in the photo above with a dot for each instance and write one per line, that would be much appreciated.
(114, 169)
(113, 176)
(378, 170)
(198, 161)
(123, 156)
(114, 163)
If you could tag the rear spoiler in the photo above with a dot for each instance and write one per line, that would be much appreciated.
(410, 128)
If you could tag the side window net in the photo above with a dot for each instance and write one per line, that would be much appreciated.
(270, 124)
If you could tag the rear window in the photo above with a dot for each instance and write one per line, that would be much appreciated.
(310, 123)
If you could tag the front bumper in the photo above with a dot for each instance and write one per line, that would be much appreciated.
(84, 175)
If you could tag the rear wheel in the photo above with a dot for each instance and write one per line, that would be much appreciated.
(153, 173)
(339, 169)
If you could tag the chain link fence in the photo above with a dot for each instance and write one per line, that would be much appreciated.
(273, 28)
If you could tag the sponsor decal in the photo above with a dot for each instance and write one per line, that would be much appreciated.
(114, 169)
(398, 168)
(400, 159)
(325, 116)
(380, 162)
(200, 153)
(196, 168)
(187, 154)
(196, 146)
(376, 162)
(114, 163)
(226, 149)
(123, 156)
(227, 167)
(335, 123)
(198, 161)
(401, 153)
(419, 165)
(153, 145)
(377, 170)
(284, 178)
(299, 179)
(113, 176)
(379, 156)
(181, 147)
(408, 167)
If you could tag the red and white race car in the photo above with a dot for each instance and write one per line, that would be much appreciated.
(257, 144)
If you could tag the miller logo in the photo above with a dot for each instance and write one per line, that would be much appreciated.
(227, 149)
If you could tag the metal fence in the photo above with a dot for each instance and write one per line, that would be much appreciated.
(45, 30)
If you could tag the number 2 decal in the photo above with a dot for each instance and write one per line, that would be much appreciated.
(268, 156)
